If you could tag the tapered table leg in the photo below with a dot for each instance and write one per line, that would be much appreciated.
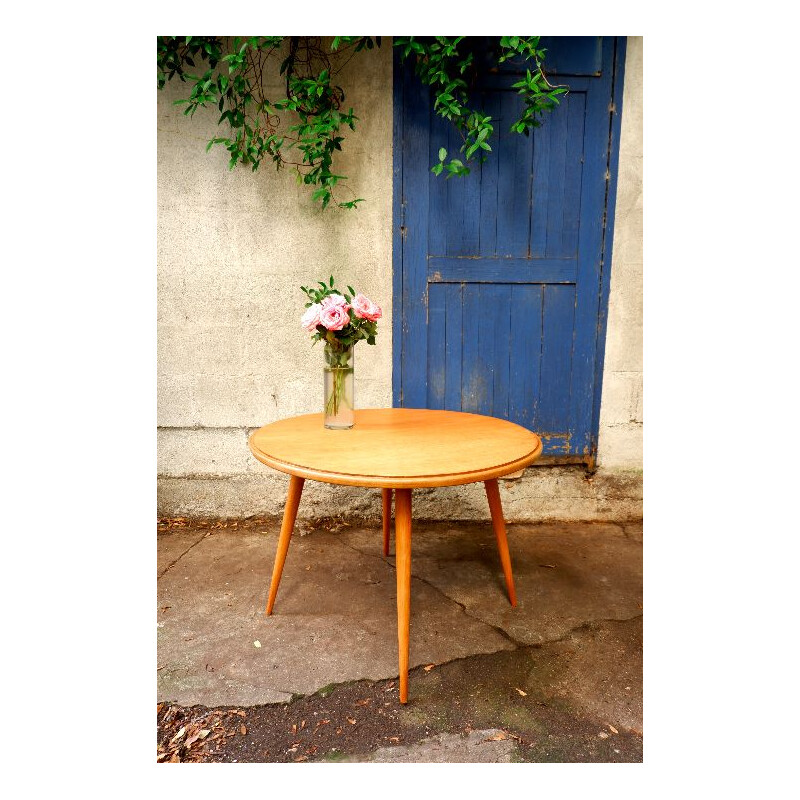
(402, 545)
(493, 495)
(289, 516)
(386, 497)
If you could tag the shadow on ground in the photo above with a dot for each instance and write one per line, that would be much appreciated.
(559, 678)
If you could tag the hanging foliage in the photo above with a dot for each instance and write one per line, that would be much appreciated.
(313, 104)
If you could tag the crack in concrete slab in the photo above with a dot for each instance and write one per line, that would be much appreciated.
(518, 645)
(173, 563)
(463, 608)
(587, 626)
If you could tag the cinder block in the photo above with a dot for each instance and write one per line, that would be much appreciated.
(203, 452)
(622, 398)
(620, 447)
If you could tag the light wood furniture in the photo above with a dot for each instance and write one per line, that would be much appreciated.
(397, 450)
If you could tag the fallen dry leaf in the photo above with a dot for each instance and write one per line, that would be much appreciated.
(603, 735)
(294, 728)
(190, 740)
(524, 694)
(548, 566)
(393, 738)
(301, 758)
(362, 702)
(159, 707)
(429, 667)
(497, 737)
(339, 731)
(243, 730)
(178, 735)
(240, 713)
(351, 720)
(612, 728)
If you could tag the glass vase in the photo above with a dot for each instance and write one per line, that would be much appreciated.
(338, 374)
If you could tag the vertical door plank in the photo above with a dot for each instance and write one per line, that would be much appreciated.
(463, 204)
(526, 353)
(515, 157)
(438, 191)
(556, 124)
(571, 213)
(499, 296)
(540, 191)
(436, 344)
(453, 345)
(489, 173)
(473, 387)
(558, 319)
(487, 326)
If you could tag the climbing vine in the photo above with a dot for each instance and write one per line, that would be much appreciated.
(313, 104)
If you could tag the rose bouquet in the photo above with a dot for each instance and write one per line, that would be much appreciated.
(340, 319)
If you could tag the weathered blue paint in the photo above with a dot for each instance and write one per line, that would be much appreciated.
(501, 283)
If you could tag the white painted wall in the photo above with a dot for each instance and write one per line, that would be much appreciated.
(620, 440)
(233, 249)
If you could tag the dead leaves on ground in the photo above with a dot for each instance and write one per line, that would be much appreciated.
(331, 524)
(185, 739)
(501, 736)
(185, 523)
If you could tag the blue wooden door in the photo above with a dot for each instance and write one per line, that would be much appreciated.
(501, 277)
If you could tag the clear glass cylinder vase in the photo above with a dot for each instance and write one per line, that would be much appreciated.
(339, 399)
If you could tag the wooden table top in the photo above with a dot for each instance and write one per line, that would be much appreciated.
(397, 448)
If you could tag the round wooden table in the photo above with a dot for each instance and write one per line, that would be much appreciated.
(396, 449)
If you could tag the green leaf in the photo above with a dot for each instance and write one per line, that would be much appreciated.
(442, 154)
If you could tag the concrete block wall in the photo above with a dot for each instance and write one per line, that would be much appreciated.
(233, 249)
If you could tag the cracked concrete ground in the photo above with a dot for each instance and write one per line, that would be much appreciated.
(571, 649)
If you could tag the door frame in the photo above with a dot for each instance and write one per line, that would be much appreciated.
(398, 239)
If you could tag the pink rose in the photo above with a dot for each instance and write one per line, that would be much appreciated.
(334, 300)
(366, 309)
(310, 319)
(334, 317)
